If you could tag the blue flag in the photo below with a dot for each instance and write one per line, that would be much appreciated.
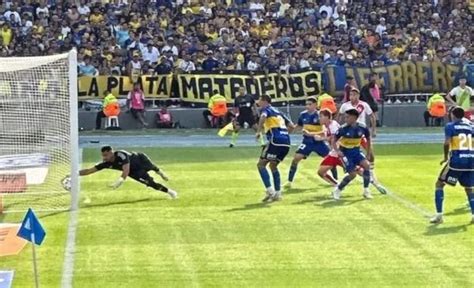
(31, 225)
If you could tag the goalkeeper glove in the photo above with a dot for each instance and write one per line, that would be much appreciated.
(117, 183)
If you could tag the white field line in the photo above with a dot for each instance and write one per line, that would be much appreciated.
(68, 265)
(410, 205)
(70, 249)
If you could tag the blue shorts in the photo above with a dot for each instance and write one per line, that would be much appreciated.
(352, 160)
(320, 148)
(272, 152)
(452, 177)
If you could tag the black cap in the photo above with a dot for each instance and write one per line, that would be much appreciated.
(353, 112)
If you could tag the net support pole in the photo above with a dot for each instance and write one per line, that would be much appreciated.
(74, 129)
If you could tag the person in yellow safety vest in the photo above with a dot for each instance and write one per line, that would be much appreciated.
(326, 101)
(110, 107)
(216, 110)
(6, 33)
(436, 110)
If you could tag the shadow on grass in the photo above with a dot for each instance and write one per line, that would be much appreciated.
(326, 201)
(314, 199)
(436, 230)
(118, 203)
(459, 211)
(342, 202)
(43, 215)
(248, 207)
(296, 190)
(50, 214)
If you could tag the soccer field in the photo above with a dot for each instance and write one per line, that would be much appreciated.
(218, 234)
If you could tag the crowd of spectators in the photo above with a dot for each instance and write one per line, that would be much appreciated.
(125, 37)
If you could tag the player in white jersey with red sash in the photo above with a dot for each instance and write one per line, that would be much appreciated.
(332, 160)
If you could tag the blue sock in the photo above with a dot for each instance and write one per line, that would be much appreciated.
(439, 197)
(265, 177)
(291, 174)
(276, 179)
(366, 176)
(344, 182)
(470, 198)
(334, 172)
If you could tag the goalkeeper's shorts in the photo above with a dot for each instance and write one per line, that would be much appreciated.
(140, 162)
(141, 176)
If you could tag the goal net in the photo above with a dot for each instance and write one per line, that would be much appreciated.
(38, 132)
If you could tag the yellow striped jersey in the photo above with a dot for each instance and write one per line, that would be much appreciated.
(350, 136)
(275, 126)
(310, 122)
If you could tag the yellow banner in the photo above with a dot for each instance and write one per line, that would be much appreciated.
(154, 86)
(199, 87)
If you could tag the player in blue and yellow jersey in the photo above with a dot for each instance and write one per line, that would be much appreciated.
(313, 141)
(346, 143)
(459, 155)
(275, 125)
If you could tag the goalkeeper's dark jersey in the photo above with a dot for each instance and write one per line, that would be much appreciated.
(122, 157)
(139, 163)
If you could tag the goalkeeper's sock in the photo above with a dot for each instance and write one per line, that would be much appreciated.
(292, 172)
(157, 186)
(265, 177)
(234, 137)
(439, 197)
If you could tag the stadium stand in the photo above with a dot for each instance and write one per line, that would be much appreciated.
(287, 35)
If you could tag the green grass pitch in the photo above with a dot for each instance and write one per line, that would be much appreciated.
(219, 235)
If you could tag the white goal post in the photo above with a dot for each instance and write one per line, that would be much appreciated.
(39, 143)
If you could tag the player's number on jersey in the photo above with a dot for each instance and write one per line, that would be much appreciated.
(465, 142)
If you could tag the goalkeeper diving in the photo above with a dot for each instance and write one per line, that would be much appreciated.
(133, 165)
